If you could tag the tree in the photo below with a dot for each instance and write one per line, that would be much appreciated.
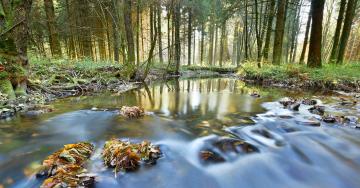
(177, 17)
(269, 29)
(129, 36)
(317, 12)
(306, 39)
(339, 23)
(279, 32)
(14, 35)
(350, 13)
(53, 34)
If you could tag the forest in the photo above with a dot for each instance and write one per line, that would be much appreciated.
(184, 87)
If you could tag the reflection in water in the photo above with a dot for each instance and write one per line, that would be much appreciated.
(253, 142)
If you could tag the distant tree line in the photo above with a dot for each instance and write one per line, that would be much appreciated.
(137, 33)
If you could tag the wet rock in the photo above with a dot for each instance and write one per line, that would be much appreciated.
(65, 167)
(132, 112)
(255, 95)
(309, 102)
(126, 156)
(329, 119)
(211, 157)
(346, 102)
(319, 110)
(221, 147)
(36, 110)
(6, 113)
(309, 122)
(290, 103)
(351, 119)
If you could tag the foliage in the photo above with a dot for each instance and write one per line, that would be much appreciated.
(132, 112)
(126, 156)
(65, 167)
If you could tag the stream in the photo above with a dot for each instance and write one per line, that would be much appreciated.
(257, 142)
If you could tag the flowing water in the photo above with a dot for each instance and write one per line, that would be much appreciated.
(255, 142)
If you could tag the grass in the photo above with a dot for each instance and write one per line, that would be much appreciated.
(328, 73)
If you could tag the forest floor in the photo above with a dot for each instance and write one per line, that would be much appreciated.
(344, 78)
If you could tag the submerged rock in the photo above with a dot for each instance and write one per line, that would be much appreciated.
(221, 150)
(345, 102)
(65, 167)
(319, 110)
(126, 156)
(132, 112)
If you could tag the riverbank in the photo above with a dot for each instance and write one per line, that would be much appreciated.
(344, 78)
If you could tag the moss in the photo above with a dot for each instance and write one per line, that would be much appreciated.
(7, 88)
(20, 91)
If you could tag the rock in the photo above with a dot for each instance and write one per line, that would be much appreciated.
(225, 146)
(345, 102)
(255, 95)
(329, 119)
(6, 113)
(211, 157)
(319, 110)
(309, 102)
(291, 104)
(132, 112)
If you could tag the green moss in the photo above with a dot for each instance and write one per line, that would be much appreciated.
(7, 88)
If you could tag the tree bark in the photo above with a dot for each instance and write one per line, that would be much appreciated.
(51, 24)
(129, 33)
(177, 17)
(306, 40)
(314, 59)
(269, 29)
(339, 23)
(279, 33)
(350, 14)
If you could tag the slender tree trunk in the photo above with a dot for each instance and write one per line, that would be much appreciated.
(339, 23)
(138, 33)
(159, 34)
(129, 33)
(51, 23)
(202, 44)
(306, 40)
(279, 32)
(246, 32)
(314, 59)
(177, 17)
(269, 29)
(350, 14)
(258, 35)
(189, 35)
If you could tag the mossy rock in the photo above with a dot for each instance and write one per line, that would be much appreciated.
(7, 88)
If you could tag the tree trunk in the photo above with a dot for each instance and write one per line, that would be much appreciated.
(350, 14)
(177, 17)
(202, 44)
(314, 59)
(129, 34)
(306, 40)
(339, 23)
(279, 33)
(159, 34)
(51, 23)
(269, 29)
(189, 35)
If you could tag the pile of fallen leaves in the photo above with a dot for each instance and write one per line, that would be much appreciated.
(65, 167)
(132, 112)
(126, 156)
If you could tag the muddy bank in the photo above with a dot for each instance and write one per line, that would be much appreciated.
(46, 84)
(297, 84)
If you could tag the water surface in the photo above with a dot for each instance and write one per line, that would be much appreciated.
(187, 117)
